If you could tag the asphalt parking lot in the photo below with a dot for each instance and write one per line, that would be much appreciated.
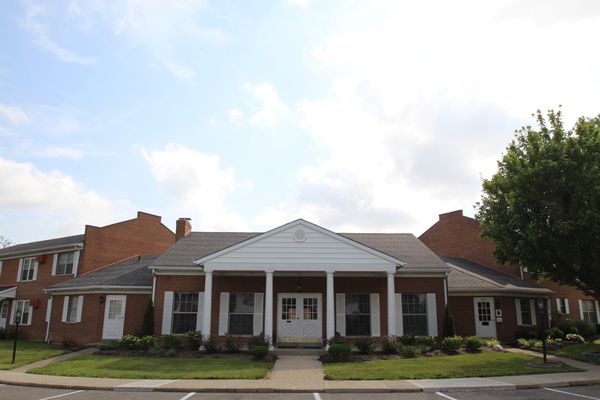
(8, 392)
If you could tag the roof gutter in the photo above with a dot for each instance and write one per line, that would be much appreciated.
(95, 287)
(41, 250)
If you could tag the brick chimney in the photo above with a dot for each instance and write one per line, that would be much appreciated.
(182, 228)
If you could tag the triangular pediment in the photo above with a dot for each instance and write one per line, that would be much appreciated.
(299, 245)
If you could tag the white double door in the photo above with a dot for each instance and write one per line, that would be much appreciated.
(299, 317)
(114, 317)
(485, 317)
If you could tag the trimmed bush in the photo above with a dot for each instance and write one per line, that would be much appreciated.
(582, 328)
(145, 343)
(408, 351)
(572, 337)
(259, 352)
(129, 342)
(339, 351)
(426, 343)
(452, 344)
(260, 340)
(336, 339)
(112, 345)
(3, 333)
(555, 333)
(523, 343)
(365, 345)
(193, 340)
(389, 345)
(448, 328)
(526, 333)
(408, 340)
(232, 344)
(171, 342)
(473, 343)
(210, 345)
(148, 321)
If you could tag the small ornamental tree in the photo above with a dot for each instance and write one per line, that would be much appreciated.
(148, 321)
(449, 329)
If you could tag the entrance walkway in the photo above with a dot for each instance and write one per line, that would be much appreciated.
(298, 373)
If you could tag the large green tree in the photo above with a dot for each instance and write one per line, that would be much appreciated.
(542, 207)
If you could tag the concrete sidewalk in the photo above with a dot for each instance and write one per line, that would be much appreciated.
(304, 373)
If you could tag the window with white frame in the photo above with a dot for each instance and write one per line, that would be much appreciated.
(64, 263)
(27, 269)
(414, 314)
(4, 310)
(358, 314)
(72, 309)
(562, 305)
(22, 307)
(241, 313)
(526, 312)
(185, 310)
(589, 311)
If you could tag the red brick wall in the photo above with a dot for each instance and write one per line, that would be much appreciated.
(144, 235)
(89, 330)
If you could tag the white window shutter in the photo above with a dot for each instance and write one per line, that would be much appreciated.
(13, 312)
(519, 317)
(65, 308)
(20, 271)
(76, 262)
(258, 313)
(597, 311)
(200, 313)
(79, 309)
(558, 306)
(340, 307)
(29, 316)
(532, 310)
(48, 309)
(167, 313)
(432, 325)
(35, 269)
(399, 321)
(567, 306)
(580, 309)
(549, 310)
(54, 263)
(375, 320)
(224, 314)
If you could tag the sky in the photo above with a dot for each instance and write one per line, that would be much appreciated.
(367, 116)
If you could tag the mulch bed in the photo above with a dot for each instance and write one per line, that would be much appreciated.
(184, 353)
(355, 357)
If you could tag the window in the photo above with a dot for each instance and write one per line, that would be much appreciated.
(241, 313)
(589, 311)
(27, 269)
(185, 310)
(562, 306)
(64, 263)
(525, 312)
(414, 314)
(23, 307)
(72, 309)
(358, 314)
(4, 310)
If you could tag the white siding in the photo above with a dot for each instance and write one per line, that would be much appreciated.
(340, 306)
(167, 313)
(375, 320)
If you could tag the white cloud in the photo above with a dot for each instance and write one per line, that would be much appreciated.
(62, 204)
(13, 114)
(43, 40)
(271, 107)
(235, 114)
(60, 152)
(299, 3)
(198, 185)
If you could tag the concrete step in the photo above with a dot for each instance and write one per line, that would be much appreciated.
(305, 351)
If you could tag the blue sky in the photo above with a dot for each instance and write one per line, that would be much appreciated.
(359, 116)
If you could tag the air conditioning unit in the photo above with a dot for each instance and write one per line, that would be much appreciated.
(41, 258)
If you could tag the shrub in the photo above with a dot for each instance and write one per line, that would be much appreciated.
(523, 343)
(210, 345)
(68, 343)
(491, 342)
(170, 353)
(365, 345)
(408, 351)
(156, 351)
(145, 342)
(232, 344)
(148, 321)
(452, 344)
(473, 343)
(555, 333)
(426, 343)
(336, 339)
(259, 352)
(449, 328)
(260, 340)
(525, 333)
(572, 337)
(582, 328)
(3, 333)
(408, 340)
(193, 340)
(534, 344)
(339, 351)
(171, 342)
(129, 342)
(389, 345)
(112, 345)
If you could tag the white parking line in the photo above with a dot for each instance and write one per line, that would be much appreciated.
(317, 396)
(187, 396)
(445, 395)
(573, 394)
(61, 395)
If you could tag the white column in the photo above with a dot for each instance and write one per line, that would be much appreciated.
(391, 305)
(330, 307)
(207, 304)
(269, 307)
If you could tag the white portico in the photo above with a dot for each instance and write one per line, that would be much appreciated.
(300, 247)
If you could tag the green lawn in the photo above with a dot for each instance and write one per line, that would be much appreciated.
(460, 366)
(27, 352)
(131, 367)
(576, 352)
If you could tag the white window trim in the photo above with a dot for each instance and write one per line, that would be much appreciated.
(14, 309)
(532, 308)
(35, 268)
(75, 262)
(78, 310)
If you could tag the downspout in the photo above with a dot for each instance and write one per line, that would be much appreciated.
(446, 290)
(153, 287)
(49, 319)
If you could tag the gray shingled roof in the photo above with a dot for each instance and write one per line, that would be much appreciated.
(128, 273)
(42, 244)
(467, 276)
(403, 246)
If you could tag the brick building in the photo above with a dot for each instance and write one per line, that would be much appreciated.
(26, 270)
